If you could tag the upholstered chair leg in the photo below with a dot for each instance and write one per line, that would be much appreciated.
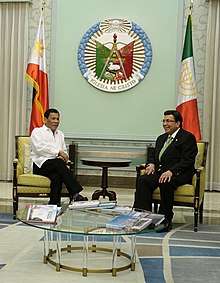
(201, 212)
(15, 207)
(196, 220)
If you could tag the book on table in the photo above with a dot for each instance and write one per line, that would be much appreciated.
(107, 205)
(117, 209)
(156, 218)
(84, 204)
(132, 221)
(42, 213)
(141, 224)
(92, 204)
(121, 221)
(135, 220)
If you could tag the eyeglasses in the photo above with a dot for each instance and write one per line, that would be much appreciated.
(168, 121)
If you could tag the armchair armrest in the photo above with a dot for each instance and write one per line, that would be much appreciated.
(70, 165)
(15, 183)
(15, 164)
(139, 168)
(201, 168)
(18, 168)
(200, 182)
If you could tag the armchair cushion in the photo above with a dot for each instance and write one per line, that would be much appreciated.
(33, 180)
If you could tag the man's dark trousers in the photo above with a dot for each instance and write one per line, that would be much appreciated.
(146, 184)
(58, 173)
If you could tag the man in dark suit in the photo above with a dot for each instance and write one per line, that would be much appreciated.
(168, 166)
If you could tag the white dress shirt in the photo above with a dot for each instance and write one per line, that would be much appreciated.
(46, 145)
(175, 133)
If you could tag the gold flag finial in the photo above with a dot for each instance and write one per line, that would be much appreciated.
(43, 5)
(191, 5)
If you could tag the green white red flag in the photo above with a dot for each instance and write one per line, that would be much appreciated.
(187, 96)
(37, 76)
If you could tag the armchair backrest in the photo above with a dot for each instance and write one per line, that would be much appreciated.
(201, 155)
(23, 149)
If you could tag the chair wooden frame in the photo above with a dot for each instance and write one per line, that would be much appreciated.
(198, 201)
(29, 189)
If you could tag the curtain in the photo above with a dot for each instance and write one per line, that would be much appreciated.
(212, 96)
(13, 86)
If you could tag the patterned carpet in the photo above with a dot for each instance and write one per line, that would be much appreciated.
(175, 257)
(181, 255)
(21, 258)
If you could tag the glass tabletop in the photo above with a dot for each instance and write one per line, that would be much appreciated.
(82, 222)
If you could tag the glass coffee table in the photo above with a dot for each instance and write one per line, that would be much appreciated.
(91, 226)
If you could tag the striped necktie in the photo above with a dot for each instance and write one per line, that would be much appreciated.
(166, 144)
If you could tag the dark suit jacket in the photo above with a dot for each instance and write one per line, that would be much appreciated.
(179, 157)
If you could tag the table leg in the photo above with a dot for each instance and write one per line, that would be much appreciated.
(114, 255)
(104, 185)
(46, 248)
(69, 237)
(133, 252)
(85, 255)
(58, 253)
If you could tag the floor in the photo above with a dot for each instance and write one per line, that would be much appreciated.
(125, 197)
(19, 262)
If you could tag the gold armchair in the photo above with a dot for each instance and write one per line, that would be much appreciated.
(26, 184)
(188, 195)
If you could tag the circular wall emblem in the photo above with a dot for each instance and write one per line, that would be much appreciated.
(114, 55)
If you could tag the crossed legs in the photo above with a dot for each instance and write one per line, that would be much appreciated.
(58, 173)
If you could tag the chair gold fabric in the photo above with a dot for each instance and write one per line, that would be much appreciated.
(188, 195)
(26, 184)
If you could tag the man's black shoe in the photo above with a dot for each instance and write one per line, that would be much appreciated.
(77, 197)
(71, 199)
(164, 226)
(151, 226)
(80, 198)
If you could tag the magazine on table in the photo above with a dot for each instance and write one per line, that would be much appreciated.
(84, 204)
(121, 221)
(156, 218)
(107, 205)
(92, 204)
(132, 221)
(117, 209)
(135, 220)
(42, 213)
(141, 224)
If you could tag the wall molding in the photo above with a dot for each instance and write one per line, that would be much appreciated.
(16, 1)
(109, 137)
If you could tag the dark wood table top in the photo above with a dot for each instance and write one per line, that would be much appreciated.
(106, 162)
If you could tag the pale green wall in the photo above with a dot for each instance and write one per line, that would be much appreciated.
(134, 113)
